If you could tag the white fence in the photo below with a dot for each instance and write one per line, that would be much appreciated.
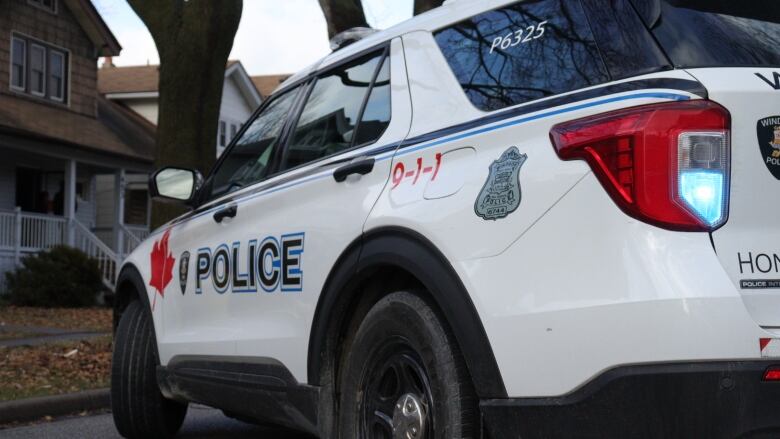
(23, 233)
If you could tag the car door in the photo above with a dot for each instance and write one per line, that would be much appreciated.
(261, 269)
(197, 317)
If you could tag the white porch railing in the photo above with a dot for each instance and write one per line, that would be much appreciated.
(133, 236)
(23, 233)
(108, 261)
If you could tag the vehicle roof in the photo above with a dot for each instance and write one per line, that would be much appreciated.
(437, 18)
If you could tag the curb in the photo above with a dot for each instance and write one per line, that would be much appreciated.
(31, 409)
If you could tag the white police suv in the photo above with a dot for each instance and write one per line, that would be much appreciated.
(500, 219)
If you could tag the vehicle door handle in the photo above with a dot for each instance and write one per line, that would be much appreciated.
(362, 167)
(229, 211)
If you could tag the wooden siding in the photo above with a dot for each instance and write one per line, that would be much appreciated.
(61, 30)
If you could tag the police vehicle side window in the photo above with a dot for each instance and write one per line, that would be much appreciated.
(329, 123)
(248, 161)
(376, 116)
(712, 33)
(521, 52)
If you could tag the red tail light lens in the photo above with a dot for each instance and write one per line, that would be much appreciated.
(772, 374)
(664, 164)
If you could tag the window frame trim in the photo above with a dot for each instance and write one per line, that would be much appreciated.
(38, 4)
(222, 134)
(61, 98)
(44, 82)
(23, 87)
(68, 66)
(201, 196)
(304, 85)
(484, 112)
(383, 51)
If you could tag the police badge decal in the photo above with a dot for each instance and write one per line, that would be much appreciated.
(768, 130)
(501, 193)
(184, 269)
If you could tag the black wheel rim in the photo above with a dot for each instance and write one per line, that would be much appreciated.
(393, 370)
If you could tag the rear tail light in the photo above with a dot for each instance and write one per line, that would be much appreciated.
(665, 164)
(772, 373)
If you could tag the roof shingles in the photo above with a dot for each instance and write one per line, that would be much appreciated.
(134, 79)
(266, 84)
(26, 117)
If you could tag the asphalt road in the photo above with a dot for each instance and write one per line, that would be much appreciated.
(201, 423)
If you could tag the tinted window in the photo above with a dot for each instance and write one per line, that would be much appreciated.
(247, 161)
(522, 52)
(626, 46)
(329, 118)
(376, 116)
(702, 33)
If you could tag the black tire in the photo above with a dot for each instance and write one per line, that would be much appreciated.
(402, 348)
(139, 409)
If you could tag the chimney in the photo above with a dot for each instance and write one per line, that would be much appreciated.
(109, 62)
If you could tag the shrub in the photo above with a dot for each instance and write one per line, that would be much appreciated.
(60, 277)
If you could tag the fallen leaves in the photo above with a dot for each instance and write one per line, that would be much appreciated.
(86, 319)
(54, 368)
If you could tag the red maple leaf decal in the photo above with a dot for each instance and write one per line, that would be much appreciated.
(162, 265)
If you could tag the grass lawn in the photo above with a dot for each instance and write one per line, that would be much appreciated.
(52, 369)
(86, 319)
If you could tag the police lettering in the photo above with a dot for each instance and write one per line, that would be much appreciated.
(273, 264)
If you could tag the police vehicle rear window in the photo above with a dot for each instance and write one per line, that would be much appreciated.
(713, 33)
(525, 51)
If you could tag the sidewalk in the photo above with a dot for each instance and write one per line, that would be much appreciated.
(42, 335)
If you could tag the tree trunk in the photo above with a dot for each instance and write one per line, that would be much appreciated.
(342, 15)
(421, 6)
(194, 39)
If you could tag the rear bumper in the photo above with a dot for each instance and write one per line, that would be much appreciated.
(683, 400)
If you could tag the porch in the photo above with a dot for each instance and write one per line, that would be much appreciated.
(97, 206)
(24, 233)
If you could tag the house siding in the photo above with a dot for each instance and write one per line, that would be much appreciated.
(60, 30)
(145, 107)
(233, 109)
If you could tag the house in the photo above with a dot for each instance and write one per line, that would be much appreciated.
(136, 88)
(58, 136)
(266, 84)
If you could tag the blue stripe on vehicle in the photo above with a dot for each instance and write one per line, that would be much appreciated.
(385, 152)
(405, 151)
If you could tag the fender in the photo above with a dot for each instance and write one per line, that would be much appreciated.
(129, 286)
(413, 253)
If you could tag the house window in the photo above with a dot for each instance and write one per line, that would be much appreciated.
(47, 5)
(222, 133)
(233, 131)
(18, 63)
(57, 75)
(38, 69)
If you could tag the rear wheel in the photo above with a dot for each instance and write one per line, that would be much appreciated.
(139, 409)
(404, 376)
